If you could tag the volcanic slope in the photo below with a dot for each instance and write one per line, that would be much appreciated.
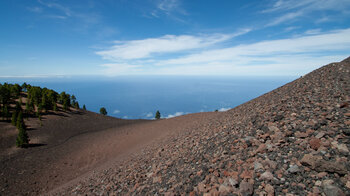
(294, 139)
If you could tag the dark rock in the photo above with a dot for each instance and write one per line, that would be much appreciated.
(320, 165)
(346, 132)
(278, 118)
(245, 188)
(331, 190)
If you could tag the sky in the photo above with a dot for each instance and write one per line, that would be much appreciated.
(171, 37)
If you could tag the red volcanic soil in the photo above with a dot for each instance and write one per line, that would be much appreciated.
(67, 145)
(70, 145)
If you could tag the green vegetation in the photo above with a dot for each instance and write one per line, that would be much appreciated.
(157, 115)
(103, 111)
(84, 107)
(64, 99)
(22, 139)
(37, 101)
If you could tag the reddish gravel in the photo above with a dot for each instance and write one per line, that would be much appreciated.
(294, 140)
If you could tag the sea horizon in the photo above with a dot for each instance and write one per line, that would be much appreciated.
(139, 97)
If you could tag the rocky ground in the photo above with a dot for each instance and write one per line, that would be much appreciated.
(294, 140)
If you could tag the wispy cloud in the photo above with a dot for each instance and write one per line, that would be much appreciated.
(116, 111)
(291, 28)
(35, 9)
(313, 31)
(287, 17)
(175, 114)
(335, 40)
(169, 8)
(83, 18)
(138, 49)
(149, 115)
(50, 4)
(293, 56)
(224, 109)
(167, 5)
(292, 10)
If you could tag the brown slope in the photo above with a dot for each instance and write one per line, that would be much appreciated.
(294, 139)
(43, 164)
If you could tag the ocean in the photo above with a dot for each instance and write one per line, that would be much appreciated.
(139, 97)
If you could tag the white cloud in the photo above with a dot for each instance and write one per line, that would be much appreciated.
(313, 31)
(292, 56)
(291, 28)
(268, 52)
(138, 49)
(294, 9)
(171, 8)
(116, 111)
(149, 115)
(168, 5)
(323, 19)
(175, 115)
(66, 10)
(284, 18)
(308, 5)
(224, 109)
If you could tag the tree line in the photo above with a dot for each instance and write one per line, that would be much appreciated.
(37, 101)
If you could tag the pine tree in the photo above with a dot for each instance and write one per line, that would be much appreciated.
(18, 107)
(5, 113)
(73, 98)
(76, 105)
(14, 118)
(40, 108)
(44, 103)
(22, 139)
(157, 115)
(103, 111)
(84, 107)
(27, 107)
(65, 106)
(20, 123)
(54, 107)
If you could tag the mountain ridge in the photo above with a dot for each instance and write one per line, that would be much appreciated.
(293, 140)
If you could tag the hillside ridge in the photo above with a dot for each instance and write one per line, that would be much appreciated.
(293, 140)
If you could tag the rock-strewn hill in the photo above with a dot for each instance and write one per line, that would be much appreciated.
(294, 140)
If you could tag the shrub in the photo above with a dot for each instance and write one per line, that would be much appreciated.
(157, 115)
(103, 111)
(22, 139)
(14, 118)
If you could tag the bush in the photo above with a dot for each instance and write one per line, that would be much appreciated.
(103, 111)
(5, 113)
(14, 118)
(76, 105)
(22, 139)
(157, 115)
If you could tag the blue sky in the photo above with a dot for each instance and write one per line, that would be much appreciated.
(171, 37)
